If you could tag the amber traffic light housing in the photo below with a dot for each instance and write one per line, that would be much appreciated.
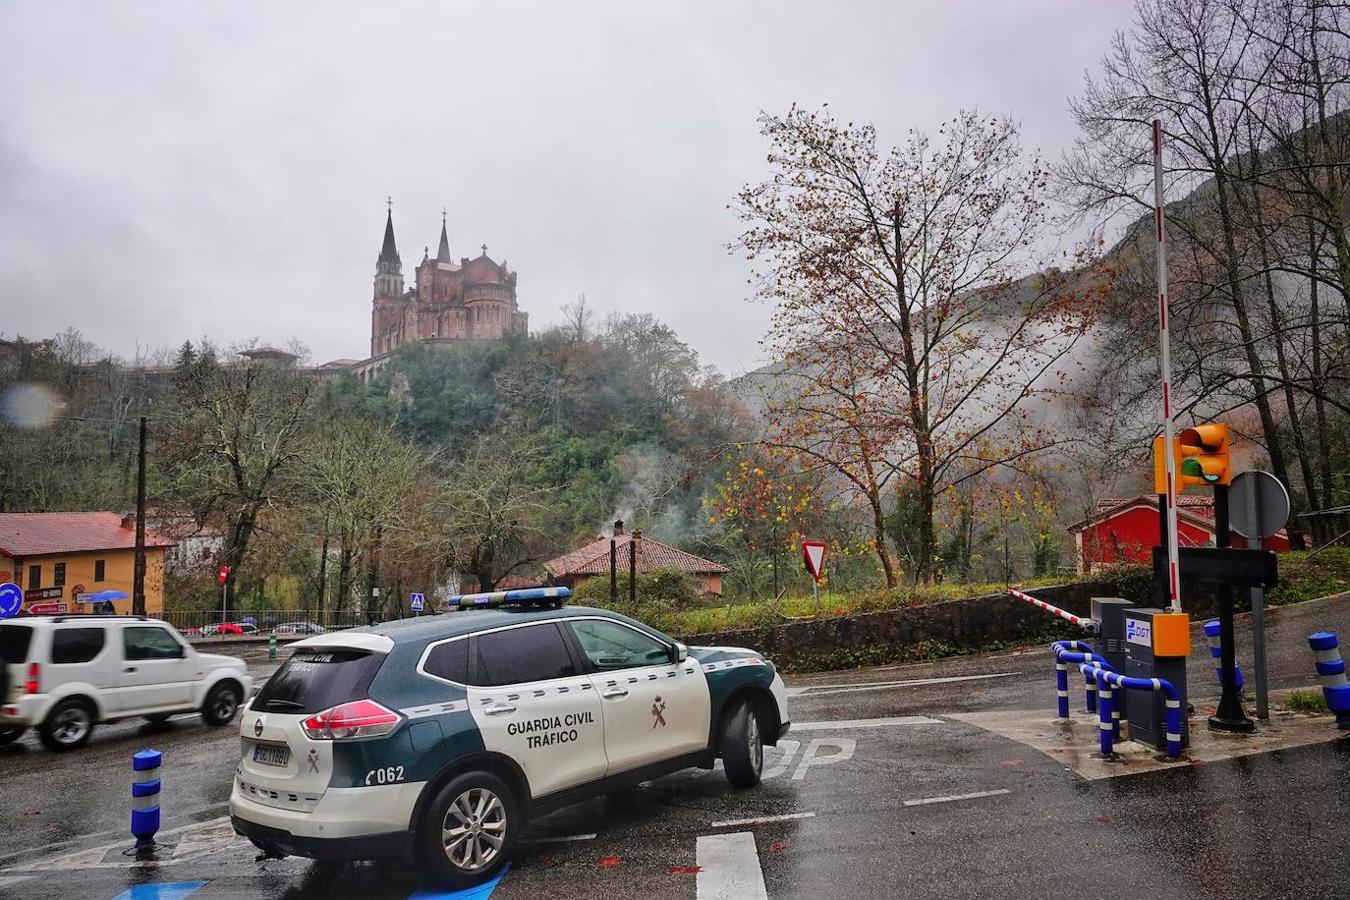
(1202, 456)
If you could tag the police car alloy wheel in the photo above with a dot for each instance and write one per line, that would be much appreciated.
(68, 726)
(468, 830)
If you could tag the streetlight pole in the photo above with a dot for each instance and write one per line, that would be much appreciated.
(138, 576)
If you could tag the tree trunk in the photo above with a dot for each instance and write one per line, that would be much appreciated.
(879, 535)
(344, 573)
(1296, 541)
(323, 569)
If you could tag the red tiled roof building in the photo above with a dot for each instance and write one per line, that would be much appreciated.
(1125, 530)
(592, 561)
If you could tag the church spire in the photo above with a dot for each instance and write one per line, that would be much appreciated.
(389, 251)
(443, 251)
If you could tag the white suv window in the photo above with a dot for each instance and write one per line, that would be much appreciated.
(76, 645)
(609, 645)
(150, 642)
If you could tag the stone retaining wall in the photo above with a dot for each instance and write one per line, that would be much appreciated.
(973, 623)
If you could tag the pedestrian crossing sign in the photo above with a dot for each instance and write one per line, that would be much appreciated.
(418, 602)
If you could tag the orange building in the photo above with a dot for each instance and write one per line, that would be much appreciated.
(59, 559)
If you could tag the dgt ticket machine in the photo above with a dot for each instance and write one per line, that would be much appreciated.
(1157, 643)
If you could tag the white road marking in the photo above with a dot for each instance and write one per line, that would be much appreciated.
(975, 796)
(824, 690)
(561, 838)
(728, 868)
(882, 722)
(763, 820)
(207, 840)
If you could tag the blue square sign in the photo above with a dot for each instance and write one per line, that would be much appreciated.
(418, 602)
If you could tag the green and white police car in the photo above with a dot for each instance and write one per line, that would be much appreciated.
(434, 739)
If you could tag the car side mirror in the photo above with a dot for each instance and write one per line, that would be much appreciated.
(681, 652)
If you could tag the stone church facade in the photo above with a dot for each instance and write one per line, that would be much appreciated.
(468, 299)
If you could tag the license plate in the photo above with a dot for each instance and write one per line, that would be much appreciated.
(272, 756)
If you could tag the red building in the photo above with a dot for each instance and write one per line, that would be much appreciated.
(452, 300)
(1123, 530)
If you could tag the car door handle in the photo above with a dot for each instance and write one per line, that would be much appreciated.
(500, 709)
(129, 669)
(613, 693)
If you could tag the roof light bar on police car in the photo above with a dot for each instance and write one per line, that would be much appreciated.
(549, 596)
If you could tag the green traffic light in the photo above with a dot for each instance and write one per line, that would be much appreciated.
(1193, 469)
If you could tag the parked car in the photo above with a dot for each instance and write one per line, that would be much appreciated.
(69, 673)
(293, 628)
(434, 740)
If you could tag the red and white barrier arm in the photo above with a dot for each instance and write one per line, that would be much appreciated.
(1090, 624)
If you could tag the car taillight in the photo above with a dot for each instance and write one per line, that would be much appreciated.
(361, 718)
(34, 683)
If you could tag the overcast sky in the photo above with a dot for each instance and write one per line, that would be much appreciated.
(169, 170)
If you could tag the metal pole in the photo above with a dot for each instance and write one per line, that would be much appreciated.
(1258, 594)
(613, 573)
(1229, 716)
(775, 554)
(633, 548)
(138, 572)
(1165, 364)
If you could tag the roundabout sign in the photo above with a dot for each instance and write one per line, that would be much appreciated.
(11, 600)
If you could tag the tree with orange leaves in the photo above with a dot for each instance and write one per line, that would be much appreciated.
(913, 346)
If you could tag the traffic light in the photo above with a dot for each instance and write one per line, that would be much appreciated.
(1202, 457)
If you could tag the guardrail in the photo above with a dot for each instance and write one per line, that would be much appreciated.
(207, 624)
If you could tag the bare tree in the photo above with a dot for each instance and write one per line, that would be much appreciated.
(900, 282)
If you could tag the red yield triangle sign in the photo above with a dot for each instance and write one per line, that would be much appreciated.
(813, 555)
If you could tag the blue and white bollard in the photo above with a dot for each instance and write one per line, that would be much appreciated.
(1105, 724)
(1076, 652)
(1062, 689)
(1331, 670)
(145, 797)
(1120, 683)
(1216, 651)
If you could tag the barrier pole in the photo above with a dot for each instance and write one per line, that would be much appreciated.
(1089, 624)
(145, 797)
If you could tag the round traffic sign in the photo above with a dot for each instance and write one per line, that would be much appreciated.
(1258, 505)
(11, 600)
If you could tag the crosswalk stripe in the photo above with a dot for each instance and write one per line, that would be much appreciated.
(728, 867)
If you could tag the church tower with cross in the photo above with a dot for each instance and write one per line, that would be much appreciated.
(468, 299)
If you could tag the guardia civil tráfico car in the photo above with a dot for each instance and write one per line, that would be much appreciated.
(433, 740)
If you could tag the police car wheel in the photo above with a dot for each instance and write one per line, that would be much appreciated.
(468, 831)
(68, 726)
(11, 734)
(742, 747)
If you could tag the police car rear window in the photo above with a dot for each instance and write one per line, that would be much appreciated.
(312, 681)
(14, 640)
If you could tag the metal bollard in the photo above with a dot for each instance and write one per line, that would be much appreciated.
(272, 646)
(1105, 725)
(145, 797)
(1216, 651)
(1062, 689)
(1331, 670)
(1079, 652)
(1110, 724)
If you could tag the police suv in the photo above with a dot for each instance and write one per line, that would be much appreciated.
(434, 739)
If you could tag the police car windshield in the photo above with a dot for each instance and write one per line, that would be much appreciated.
(314, 680)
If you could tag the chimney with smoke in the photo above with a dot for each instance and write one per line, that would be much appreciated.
(618, 527)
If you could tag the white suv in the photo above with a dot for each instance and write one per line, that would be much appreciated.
(64, 674)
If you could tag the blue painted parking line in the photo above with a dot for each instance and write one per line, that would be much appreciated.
(175, 890)
(481, 892)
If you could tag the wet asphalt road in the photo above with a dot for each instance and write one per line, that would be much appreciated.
(998, 818)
